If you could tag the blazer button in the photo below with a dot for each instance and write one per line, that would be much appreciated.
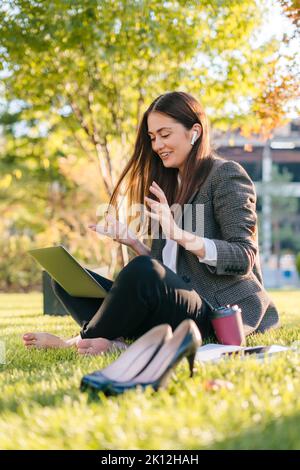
(186, 278)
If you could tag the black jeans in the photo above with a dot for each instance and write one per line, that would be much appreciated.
(145, 293)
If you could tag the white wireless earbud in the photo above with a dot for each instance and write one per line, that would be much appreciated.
(195, 134)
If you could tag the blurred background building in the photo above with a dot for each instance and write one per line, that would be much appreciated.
(274, 166)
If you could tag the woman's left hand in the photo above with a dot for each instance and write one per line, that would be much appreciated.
(161, 211)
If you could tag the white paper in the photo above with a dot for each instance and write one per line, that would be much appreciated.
(213, 352)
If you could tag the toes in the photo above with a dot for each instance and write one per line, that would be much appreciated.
(29, 336)
(29, 342)
(93, 346)
(90, 351)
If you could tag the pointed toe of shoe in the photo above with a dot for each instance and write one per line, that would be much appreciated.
(96, 381)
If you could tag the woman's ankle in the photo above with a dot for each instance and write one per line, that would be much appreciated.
(72, 341)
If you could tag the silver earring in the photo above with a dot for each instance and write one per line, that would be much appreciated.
(194, 137)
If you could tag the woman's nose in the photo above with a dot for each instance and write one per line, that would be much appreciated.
(157, 144)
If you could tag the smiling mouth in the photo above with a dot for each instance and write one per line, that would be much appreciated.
(165, 155)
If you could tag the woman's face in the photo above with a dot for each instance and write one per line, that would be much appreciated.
(170, 139)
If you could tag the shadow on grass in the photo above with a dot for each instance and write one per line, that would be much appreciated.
(281, 434)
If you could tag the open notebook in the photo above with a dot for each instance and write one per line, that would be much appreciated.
(216, 352)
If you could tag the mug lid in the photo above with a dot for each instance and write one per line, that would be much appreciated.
(227, 311)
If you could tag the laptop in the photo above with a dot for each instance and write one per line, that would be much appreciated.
(65, 269)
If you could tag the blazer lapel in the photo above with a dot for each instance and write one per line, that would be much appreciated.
(188, 204)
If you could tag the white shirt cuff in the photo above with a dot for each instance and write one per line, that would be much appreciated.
(210, 257)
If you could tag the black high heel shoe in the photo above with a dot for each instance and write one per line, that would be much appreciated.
(184, 343)
(131, 362)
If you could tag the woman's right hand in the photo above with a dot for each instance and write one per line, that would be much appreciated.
(116, 230)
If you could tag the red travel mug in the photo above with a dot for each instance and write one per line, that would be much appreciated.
(228, 326)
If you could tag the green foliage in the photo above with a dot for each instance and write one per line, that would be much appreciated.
(22, 272)
(107, 59)
(41, 406)
(75, 90)
(298, 263)
(47, 197)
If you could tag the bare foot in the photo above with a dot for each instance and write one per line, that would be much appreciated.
(47, 340)
(94, 346)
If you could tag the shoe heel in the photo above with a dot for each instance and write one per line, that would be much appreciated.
(191, 361)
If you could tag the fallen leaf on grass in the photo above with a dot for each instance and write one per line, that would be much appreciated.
(218, 384)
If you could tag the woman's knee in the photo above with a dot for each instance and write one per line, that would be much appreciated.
(141, 261)
(141, 265)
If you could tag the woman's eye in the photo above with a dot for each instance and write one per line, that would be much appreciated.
(163, 136)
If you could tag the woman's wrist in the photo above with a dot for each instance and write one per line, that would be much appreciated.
(132, 242)
(139, 247)
(177, 234)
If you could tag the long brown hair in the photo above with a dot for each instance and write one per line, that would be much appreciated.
(145, 165)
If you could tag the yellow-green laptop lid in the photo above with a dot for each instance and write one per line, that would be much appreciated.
(66, 270)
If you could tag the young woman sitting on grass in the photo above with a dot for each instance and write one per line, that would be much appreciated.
(173, 163)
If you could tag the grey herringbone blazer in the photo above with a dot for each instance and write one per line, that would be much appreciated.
(228, 200)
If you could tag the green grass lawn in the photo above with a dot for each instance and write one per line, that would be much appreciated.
(41, 406)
